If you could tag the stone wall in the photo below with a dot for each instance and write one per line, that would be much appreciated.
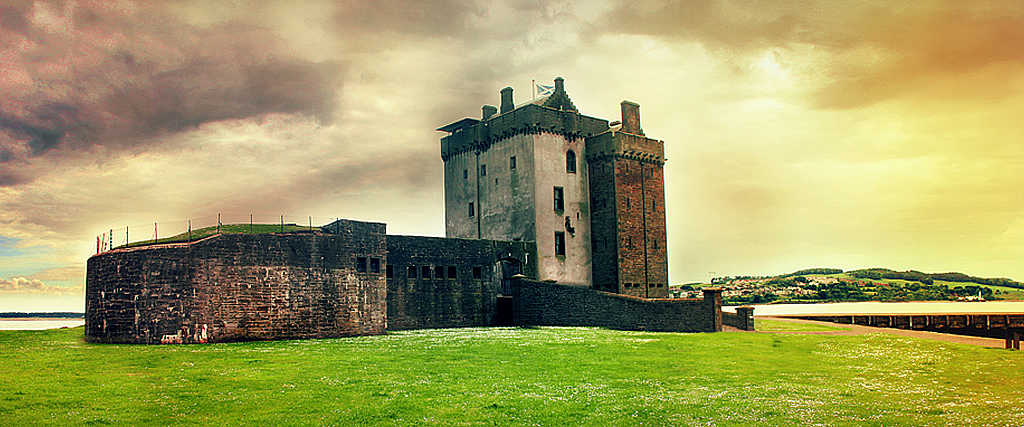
(444, 283)
(742, 319)
(241, 287)
(552, 304)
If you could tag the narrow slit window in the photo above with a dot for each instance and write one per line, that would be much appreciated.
(559, 243)
(465, 174)
(559, 199)
(471, 210)
(512, 163)
(483, 170)
(570, 161)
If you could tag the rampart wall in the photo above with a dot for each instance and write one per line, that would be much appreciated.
(552, 304)
(241, 287)
(444, 283)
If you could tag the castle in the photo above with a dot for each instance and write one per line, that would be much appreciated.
(552, 218)
(590, 194)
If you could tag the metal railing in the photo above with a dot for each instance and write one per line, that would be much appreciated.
(190, 230)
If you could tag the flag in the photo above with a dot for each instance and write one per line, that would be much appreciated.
(544, 90)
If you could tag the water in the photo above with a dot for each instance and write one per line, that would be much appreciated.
(875, 307)
(38, 324)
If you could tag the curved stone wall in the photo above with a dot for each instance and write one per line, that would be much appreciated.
(241, 288)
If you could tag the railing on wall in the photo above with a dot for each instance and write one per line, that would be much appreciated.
(197, 228)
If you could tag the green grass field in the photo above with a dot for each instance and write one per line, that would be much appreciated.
(512, 376)
(765, 325)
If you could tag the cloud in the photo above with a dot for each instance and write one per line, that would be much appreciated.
(95, 78)
(877, 50)
(430, 18)
(36, 286)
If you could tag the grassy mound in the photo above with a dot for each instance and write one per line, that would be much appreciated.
(512, 376)
(223, 229)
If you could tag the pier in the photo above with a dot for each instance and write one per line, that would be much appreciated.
(995, 325)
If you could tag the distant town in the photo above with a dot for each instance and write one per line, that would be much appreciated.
(874, 284)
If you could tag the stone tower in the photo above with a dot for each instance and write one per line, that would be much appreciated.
(527, 172)
(627, 192)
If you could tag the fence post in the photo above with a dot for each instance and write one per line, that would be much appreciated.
(250, 223)
(190, 231)
(156, 236)
(282, 223)
(218, 223)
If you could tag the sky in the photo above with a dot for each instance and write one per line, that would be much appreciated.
(799, 133)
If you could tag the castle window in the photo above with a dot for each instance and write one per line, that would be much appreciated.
(477, 272)
(375, 265)
(439, 272)
(425, 270)
(361, 265)
(452, 272)
(483, 170)
(471, 212)
(389, 272)
(512, 163)
(465, 174)
(570, 161)
(559, 199)
(559, 243)
(411, 272)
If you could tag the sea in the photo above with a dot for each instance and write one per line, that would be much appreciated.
(875, 307)
(22, 324)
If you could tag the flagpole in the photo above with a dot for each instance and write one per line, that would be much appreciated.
(534, 85)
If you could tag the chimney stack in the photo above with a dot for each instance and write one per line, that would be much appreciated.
(559, 84)
(506, 100)
(631, 118)
(489, 111)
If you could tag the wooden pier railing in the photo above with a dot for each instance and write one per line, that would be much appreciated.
(1008, 325)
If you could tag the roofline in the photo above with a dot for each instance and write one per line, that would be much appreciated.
(454, 126)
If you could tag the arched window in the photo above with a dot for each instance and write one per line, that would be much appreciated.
(570, 161)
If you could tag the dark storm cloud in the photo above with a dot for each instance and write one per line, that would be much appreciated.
(86, 75)
(879, 50)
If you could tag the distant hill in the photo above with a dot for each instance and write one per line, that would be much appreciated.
(930, 278)
(869, 284)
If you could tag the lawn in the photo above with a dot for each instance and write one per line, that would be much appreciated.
(765, 325)
(512, 376)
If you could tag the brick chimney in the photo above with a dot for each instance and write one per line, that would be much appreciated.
(506, 100)
(489, 111)
(631, 118)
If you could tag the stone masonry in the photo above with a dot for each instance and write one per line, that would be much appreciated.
(534, 194)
